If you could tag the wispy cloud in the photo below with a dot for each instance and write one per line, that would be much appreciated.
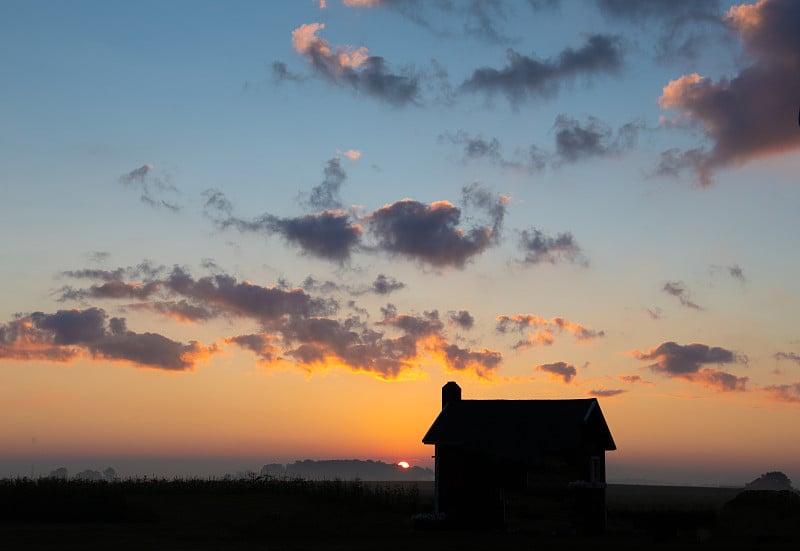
(152, 189)
(544, 329)
(525, 77)
(354, 67)
(678, 290)
(538, 247)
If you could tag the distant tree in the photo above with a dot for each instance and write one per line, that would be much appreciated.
(774, 480)
(60, 472)
(110, 474)
(89, 474)
(273, 469)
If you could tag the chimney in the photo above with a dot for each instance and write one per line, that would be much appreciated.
(451, 393)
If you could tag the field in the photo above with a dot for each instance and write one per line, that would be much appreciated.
(297, 514)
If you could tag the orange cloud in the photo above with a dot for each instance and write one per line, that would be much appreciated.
(361, 3)
(305, 41)
(545, 328)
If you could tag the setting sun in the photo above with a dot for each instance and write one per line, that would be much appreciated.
(403, 464)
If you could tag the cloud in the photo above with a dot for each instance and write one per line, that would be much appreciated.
(538, 247)
(354, 67)
(687, 362)
(682, 26)
(526, 77)
(114, 289)
(754, 113)
(383, 285)
(790, 356)
(482, 362)
(678, 290)
(462, 319)
(68, 334)
(482, 19)
(784, 393)
(352, 154)
(325, 196)
(606, 392)
(296, 329)
(428, 233)
(561, 370)
(631, 378)
(330, 234)
(653, 313)
(262, 344)
(544, 329)
(476, 147)
(151, 188)
(736, 272)
(576, 141)
(281, 73)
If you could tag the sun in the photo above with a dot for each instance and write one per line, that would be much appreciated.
(403, 464)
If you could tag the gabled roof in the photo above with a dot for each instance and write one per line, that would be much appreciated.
(521, 429)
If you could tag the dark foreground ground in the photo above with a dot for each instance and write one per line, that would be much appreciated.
(270, 514)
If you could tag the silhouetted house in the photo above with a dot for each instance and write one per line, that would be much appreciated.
(528, 458)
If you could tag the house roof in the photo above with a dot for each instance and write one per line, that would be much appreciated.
(521, 429)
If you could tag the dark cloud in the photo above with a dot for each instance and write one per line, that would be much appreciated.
(417, 326)
(428, 233)
(383, 284)
(481, 19)
(736, 272)
(180, 310)
(630, 378)
(355, 68)
(462, 319)
(688, 362)
(606, 392)
(526, 77)
(476, 147)
(538, 247)
(267, 305)
(281, 73)
(683, 28)
(754, 113)
(562, 370)
(151, 188)
(68, 333)
(478, 199)
(113, 289)
(325, 196)
(790, 356)
(482, 362)
(678, 290)
(539, 5)
(576, 141)
(784, 393)
(330, 234)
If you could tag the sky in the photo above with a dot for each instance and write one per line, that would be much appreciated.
(246, 233)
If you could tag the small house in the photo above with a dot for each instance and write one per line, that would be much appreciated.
(496, 459)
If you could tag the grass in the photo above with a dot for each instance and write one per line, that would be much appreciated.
(269, 513)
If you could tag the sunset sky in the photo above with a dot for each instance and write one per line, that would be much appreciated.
(253, 232)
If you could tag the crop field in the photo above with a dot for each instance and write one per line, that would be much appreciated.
(297, 514)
